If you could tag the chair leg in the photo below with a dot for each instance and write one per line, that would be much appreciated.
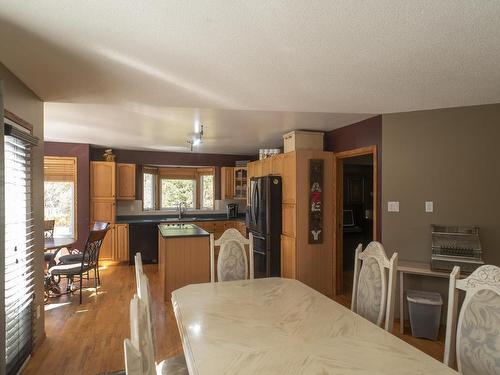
(81, 282)
(98, 275)
(95, 280)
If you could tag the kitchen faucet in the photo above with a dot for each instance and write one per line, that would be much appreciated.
(180, 210)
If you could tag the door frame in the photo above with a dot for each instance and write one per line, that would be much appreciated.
(338, 191)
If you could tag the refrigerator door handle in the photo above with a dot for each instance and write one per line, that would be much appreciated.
(259, 237)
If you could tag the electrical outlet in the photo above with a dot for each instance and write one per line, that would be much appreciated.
(393, 206)
(429, 206)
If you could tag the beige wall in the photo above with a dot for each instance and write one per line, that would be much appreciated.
(448, 156)
(21, 101)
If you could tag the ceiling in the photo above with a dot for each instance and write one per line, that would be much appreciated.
(140, 75)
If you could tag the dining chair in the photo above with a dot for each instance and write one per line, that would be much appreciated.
(141, 341)
(372, 298)
(232, 263)
(474, 342)
(138, 268)
(75, 255)
(48, 228)
(88, 261)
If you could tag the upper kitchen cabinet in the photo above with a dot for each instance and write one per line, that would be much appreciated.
(240, 182)
(125, 174)
(227, 182)
(102, 180)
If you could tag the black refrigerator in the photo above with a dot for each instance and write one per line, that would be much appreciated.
(264, 222)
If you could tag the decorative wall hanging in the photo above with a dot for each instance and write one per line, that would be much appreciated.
(316, 201)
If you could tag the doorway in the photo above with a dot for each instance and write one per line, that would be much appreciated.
(356, 210)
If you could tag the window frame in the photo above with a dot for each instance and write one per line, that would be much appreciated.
(154, 172)
(63, 169)
(178, 173)
(200, 179)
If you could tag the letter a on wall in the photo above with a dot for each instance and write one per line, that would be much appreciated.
(316, 201)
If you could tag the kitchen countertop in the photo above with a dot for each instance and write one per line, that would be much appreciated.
(181, 230)
(156, 219)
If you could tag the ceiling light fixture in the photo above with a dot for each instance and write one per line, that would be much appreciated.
(197, 139)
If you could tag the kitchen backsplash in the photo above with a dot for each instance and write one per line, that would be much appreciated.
(135, 208)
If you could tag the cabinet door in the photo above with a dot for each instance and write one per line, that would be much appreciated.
(102, 180)
(227, 182)
(125, 174)
(277, 164)
(266, 166)
(258, 168)
(288, 219)
(121, 249)
(103, 211)
(288, 257)
(289, 178)
(240, 182)
(106, 251)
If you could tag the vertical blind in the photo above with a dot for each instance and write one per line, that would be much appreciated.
(19, 248)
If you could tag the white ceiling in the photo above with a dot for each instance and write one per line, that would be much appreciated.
(137, 74)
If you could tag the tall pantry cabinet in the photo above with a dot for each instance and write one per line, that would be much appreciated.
(103, 188)
(310, 263)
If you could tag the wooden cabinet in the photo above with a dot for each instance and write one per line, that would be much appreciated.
(288, 257)
(120, 243)
(266, 166)
(240, 175)
(227, 182)
(106, 251)
(288, 219)
(102, 180)
(289, 177)
(101, 210)
(125, 176)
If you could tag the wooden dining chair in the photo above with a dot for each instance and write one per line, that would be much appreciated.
(372, 298)
(232, 263)
(474, 342)
(141, 346)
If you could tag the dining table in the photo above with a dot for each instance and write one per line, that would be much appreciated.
(282, 326)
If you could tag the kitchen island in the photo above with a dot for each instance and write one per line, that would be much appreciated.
(183, 256)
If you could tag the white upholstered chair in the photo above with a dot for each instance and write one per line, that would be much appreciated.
(232, 262)
(475, 340)
(139, 350)
(372, 296)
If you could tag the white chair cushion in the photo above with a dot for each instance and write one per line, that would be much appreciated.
(369, 299)
(232, 264)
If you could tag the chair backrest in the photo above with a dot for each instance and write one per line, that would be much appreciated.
(138, 269)
(474, 340)
(93, 246)
(140, 335)
(100, 225)
(48, 228)
(372, 298)
(144, 294)
(133, 358)
(232, 263)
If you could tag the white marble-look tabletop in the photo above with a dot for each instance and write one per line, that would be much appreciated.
(281, 326)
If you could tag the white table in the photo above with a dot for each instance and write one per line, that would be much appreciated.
(413, 268)
(281, 326)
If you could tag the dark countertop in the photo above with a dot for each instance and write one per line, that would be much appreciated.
(181, 230)
(156, 219)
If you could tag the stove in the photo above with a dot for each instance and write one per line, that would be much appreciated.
(456, 246)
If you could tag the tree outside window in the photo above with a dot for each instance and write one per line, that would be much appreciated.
(207, 191)
(59, 206)
(175, 191)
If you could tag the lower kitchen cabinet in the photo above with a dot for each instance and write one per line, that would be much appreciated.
(106, 251)
(120, 248)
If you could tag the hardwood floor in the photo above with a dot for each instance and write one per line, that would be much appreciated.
(88, 338)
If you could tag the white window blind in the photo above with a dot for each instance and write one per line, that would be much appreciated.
(19, 248)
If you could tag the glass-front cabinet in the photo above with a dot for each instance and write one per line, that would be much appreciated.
(240, 183)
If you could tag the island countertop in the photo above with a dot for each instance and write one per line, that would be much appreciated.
(181, 230)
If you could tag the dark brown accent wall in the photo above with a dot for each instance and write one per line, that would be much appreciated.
(141, 158)
(82, 153)
(360, 134)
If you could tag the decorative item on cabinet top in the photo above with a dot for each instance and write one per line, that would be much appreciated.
(108, 155)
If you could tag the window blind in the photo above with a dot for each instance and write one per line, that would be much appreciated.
(19, 247)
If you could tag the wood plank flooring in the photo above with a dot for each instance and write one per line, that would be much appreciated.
(88, 338)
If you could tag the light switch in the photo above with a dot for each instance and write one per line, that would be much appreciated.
(429, 206)
(393, 206)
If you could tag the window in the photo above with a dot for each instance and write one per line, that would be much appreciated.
(174, 191)
(19, 247)
(165, 187)
(149, 191)
(207, 191)
(60, 194)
